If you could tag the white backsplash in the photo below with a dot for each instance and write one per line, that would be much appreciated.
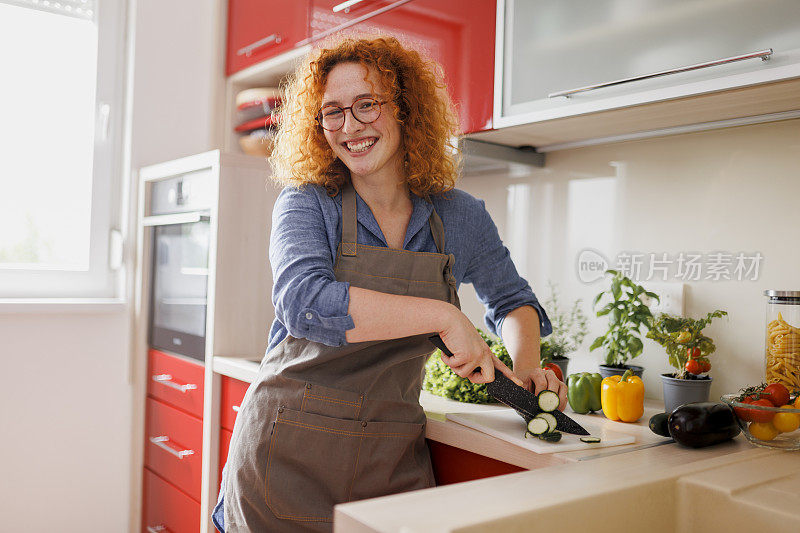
(733, 190)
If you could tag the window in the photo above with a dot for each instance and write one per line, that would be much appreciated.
(60, 182)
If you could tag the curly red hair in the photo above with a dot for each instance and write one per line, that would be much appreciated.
(428, 123)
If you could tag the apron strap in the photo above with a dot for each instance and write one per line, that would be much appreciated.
(349, 222)
(437, 229)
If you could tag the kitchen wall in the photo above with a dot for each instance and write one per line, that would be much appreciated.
(732, 190)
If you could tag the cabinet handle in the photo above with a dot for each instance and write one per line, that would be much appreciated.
(235, 408)
(156, 529)
(162, 440)
(345, 6)
(166, 379)
(177, 218)
(353, 22)
(275, 38)
(763, 54)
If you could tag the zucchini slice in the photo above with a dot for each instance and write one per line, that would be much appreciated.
(537, 426)
(551, 436)
(551, 420)
(590, 440)
(548, 401)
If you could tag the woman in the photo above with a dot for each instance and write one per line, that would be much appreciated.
(367, 253)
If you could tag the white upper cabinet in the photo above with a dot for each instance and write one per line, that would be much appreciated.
(610, 48)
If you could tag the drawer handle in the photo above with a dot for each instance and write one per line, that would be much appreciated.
(275, 38)
(156, 529)
(352, 22)
(162, 440)
(763, 54)
(345, 6)
(236, 408)
(166, 379)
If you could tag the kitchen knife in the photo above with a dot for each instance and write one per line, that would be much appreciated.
(519, 398)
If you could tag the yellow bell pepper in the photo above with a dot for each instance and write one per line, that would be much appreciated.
(622, 397)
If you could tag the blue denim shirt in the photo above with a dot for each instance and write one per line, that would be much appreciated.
(310, 303)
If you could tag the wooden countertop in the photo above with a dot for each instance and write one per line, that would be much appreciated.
(441, 430)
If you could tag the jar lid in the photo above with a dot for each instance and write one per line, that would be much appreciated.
(782, 294)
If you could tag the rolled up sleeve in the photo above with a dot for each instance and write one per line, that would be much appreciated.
(497, 283)
(308, 300)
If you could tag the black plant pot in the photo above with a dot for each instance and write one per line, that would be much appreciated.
(607, 371)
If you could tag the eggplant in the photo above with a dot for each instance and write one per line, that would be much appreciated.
(659, 424)
(702, 424)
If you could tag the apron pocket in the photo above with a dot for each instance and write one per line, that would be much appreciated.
(335, 403)
(313, 462)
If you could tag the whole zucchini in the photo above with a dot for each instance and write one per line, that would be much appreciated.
(702, 424)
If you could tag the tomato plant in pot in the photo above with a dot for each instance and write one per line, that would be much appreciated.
(569, 330)
(627, 310)
(688, 351)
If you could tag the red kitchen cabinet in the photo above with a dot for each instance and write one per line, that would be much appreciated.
(232, 393)
(454, 465)
(459, 34)
(224, 445)
(166, 508)
(173, 446)
(176, 381)
(260, 29)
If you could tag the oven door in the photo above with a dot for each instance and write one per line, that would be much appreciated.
(180, 287)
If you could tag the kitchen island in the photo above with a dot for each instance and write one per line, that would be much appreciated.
(733, 486)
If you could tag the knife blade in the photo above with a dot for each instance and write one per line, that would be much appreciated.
(523, 401)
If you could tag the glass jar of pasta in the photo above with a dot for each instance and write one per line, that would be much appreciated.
(782, 354)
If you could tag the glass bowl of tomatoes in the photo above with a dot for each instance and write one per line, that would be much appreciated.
(768, 415)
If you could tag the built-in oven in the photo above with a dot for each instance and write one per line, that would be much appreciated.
(179, 215)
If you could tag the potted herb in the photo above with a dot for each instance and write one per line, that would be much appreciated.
(569, 330)
(627, 312)
(688, 350)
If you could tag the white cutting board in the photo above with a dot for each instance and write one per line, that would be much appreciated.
(507, 425)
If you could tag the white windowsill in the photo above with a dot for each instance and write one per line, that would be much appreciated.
(62, 305)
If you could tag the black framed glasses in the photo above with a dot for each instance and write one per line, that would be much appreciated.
(365, 110)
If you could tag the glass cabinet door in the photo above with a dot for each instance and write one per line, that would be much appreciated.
(557, 45)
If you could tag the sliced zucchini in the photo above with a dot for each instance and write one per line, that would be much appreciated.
(551, 420)
(529, 435)
(548, 401)
(591, 440)
(551, 436)
(537, 426)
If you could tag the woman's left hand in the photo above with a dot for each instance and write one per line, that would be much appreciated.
(537, 379)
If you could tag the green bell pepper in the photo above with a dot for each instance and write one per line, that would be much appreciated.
(583, 392)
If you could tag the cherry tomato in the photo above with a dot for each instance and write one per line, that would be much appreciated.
(786, 422)
(759, 415)
(776, 393)
(763, 430)
(556, 369)
(693, 366)
(705, 365)
(693, 353)
(742, 412)
(797, 402)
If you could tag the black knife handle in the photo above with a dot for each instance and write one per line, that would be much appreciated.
(439, 343)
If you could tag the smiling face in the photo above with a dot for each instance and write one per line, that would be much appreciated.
(368, 150)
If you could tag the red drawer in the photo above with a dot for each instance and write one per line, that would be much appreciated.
(176, 381)
(224, 444)
(166, 508)
(173, 446)
(231, 394)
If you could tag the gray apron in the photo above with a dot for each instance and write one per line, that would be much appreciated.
(325, 425)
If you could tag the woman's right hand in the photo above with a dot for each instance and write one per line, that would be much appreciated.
(472, 358)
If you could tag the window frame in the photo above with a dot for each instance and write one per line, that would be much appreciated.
(108, 182)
